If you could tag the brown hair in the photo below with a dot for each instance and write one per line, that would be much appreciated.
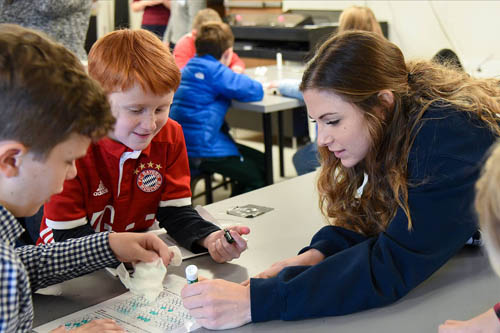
(125, 57)
(488, 205)
(214, 38)
(340, 66)
(204, 16)
(45, 93)
(359, 18)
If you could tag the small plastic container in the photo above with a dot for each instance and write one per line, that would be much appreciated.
(192, 274)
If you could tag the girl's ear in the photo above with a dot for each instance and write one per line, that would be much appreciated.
(11, 154)
(386, 97)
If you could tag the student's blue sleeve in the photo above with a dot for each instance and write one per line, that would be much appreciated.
(330, 240)
(359, 274)
(237, 86)
(290, 88)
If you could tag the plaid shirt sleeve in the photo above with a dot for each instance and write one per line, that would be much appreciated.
(16, 311)
(53, 263)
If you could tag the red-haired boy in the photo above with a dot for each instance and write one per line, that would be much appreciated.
(139, 173)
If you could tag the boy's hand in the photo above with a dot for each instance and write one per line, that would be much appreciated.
(217, 304)
(220, 249)
(135, 247)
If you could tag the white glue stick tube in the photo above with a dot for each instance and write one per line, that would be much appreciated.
(191, 274)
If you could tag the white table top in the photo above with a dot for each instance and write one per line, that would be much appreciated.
(464, 287)
(271, 102)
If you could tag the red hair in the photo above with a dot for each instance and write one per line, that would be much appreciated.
(125, 57)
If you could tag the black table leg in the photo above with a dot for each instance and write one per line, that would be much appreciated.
(280, 143)
(268, 147)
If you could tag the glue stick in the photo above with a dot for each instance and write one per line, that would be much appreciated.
(191, 274)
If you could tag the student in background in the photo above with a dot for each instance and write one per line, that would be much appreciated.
(488, 209)
(155, 15)
(306, 160)
(139, 173)
(65, 21)
(359, 18)
(201, 103)
(390, 127)
(185, 49)
(181, 19)
(42, 133)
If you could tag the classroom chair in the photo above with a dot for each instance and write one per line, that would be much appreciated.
(209, 181)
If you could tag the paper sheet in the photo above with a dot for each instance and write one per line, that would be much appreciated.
(135, 314)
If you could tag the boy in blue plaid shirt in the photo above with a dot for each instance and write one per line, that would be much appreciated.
(50, 112)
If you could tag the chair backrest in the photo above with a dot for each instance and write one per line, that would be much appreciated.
(197, 175)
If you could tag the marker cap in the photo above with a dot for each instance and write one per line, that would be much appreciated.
(192, 273)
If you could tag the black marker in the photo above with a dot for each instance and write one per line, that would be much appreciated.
(228, 236)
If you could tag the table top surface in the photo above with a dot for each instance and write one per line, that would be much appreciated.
(464, 287)
(271, 102)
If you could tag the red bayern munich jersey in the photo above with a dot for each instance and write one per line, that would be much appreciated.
(119, 189)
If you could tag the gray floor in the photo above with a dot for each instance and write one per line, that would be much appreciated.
(254, 140)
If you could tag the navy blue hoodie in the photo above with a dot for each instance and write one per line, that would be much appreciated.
(361, 272)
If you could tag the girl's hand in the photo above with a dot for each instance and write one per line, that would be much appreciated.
(308, 258)
(217, 304)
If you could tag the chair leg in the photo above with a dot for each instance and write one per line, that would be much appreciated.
(208, 189)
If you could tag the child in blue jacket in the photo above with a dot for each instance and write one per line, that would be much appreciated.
(200, 105)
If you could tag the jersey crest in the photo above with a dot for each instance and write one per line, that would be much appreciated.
(149, 180)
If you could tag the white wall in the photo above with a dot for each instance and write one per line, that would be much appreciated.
(105, 16)
(135, 18)
(421, 27)
(105, 10)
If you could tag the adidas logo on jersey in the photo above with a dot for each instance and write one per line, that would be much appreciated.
(101, 190)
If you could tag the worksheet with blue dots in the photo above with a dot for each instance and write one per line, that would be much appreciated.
(134, 314)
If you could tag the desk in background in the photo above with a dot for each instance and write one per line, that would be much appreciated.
(271, 103)
(463, 288)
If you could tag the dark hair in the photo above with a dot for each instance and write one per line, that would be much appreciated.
(124, 57)
(214, 38)
(356, 66)
(448, 58)
(45, 93)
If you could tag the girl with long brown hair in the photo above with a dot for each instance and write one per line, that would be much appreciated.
(401, 147)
